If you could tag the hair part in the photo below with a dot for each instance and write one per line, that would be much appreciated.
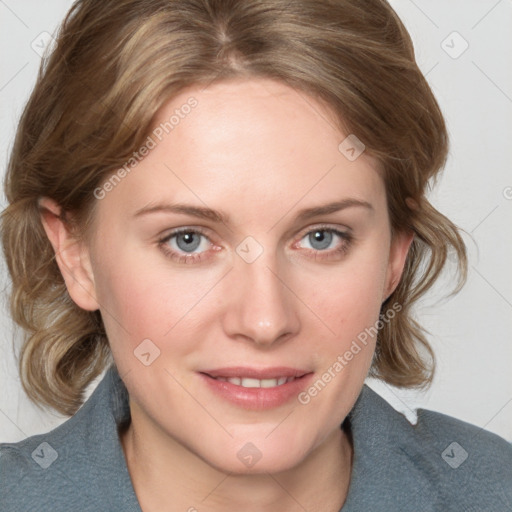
(114, 66)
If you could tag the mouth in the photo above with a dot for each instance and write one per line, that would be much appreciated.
(247, 382)
(256, 388)
(256, 377)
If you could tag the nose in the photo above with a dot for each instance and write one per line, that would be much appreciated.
(262, 306)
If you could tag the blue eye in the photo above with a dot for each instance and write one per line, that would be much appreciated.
(321, 239)
(185, 240)
(188, 240)
(190, 245)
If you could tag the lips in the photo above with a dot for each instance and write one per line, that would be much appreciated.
(256, 388)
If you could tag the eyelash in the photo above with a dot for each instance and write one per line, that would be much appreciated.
(347, 239)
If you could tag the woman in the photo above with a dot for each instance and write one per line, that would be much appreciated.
(204, 202)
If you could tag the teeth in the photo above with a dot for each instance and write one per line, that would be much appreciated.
(256, 383)
(250, 383)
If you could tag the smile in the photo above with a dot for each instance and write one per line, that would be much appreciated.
(256, 388)
(247, 382)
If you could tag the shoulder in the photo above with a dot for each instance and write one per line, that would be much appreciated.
(76, 465)
(37, 470)
(36, 473)
(470, 467)
(471, 463)
(438, 463)
(23, 477)
(439, 428)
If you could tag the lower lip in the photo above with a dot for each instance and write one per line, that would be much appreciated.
(257, 398)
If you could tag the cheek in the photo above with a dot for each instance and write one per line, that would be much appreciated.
(349, 297)
(349, 300)
(142, 301)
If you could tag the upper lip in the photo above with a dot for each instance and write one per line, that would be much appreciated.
(256, 373)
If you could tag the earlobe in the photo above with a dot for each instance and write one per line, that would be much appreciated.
(71, 255)
(399, 249)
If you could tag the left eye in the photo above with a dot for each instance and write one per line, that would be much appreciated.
(322, 238)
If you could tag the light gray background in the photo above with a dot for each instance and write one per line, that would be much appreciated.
(469, 332)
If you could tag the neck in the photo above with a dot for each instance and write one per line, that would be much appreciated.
(166, 474)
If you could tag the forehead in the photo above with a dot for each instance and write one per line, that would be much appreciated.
(251, 117)
(247, 141)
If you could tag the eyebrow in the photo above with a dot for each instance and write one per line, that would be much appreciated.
(221, 217)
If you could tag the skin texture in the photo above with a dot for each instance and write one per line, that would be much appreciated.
(260, 152)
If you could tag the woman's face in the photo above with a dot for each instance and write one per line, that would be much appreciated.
(268, 292)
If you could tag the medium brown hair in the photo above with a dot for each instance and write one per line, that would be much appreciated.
(117, 62)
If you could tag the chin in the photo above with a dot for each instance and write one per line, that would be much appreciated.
(259, 456)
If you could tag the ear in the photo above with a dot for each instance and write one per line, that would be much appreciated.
(399, 248)
(72, 256)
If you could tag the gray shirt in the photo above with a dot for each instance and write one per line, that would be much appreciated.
(439, 464)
